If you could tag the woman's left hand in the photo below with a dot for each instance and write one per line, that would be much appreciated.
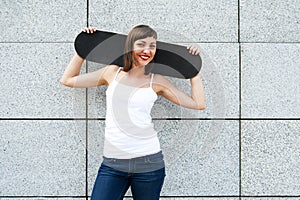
(193, 49)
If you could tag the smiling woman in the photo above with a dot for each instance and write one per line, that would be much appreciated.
(132, 156)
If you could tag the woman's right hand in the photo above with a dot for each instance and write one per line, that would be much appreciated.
(90, 29)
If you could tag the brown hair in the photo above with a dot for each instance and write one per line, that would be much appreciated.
(136, 33)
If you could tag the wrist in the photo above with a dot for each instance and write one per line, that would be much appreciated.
(78, 58)
(195, 77)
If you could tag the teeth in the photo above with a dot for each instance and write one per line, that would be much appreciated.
(144, 57)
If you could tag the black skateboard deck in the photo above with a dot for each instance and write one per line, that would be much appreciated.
(108, 48)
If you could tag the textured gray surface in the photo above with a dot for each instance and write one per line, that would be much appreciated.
(205, 161)
(221, 78)
(270, 157)
(30, 87)
(42, 158)
(198, 20)
(95, 150)
(209, 165)
(46, 158)
(270, 80)
(40, 21)
(270, 21)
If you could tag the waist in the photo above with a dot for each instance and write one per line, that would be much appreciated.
(140, 164)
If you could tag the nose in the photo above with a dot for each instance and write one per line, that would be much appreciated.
(146, 50)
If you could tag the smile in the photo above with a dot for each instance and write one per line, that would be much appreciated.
(144, 57)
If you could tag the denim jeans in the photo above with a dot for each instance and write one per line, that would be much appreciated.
(141, 164)
(112, 184)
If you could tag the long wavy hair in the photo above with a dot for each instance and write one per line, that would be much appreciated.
(136, 33)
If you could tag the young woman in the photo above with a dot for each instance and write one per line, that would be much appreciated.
(132, 156)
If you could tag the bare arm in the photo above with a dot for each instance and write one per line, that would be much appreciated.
(197, 92)
(71, 75)
(194, 101)
(72, 78)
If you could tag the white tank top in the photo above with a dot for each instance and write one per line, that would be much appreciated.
(129, 130)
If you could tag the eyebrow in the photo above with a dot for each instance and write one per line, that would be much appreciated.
(145, 42)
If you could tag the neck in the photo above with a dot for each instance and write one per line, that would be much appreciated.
(137, 71)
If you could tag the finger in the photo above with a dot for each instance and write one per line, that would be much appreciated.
(191, 49)
(85, 29)
(92, 29)
(194, 51)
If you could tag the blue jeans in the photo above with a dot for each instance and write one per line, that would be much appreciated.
(112, 184)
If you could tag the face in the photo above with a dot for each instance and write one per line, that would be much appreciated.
(144, 51)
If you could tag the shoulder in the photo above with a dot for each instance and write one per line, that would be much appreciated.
(111, 68)
(158, 79)
(109, 71)
(161, 83)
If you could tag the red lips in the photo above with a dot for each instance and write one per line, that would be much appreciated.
(144, 57)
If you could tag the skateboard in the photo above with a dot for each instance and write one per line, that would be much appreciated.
(108, 48)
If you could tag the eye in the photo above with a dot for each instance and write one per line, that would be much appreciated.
(140, 44)
(153, 46)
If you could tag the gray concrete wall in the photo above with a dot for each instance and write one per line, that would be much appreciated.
(245, 145)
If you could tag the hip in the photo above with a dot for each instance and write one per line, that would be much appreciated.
(140, 164)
